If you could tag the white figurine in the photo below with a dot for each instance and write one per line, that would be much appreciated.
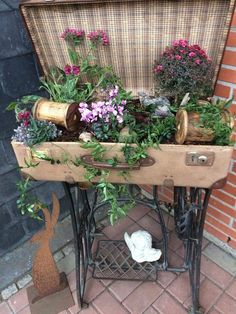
(140, 246)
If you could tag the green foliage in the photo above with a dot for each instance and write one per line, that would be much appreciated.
(27, 203)
(40, 131)
(111, 194)
(211, 119)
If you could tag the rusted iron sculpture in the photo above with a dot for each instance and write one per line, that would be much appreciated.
(46, 277)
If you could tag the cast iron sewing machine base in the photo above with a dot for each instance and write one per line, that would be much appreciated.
(189, 208)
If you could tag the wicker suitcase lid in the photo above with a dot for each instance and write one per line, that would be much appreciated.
(139, 31)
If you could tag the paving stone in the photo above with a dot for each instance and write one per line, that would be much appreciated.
(19, 300)
(174, 243)
(8, 186)
(226, 304)
(4, 166)
(164, 278)
(15, 231)
(4, 308)
(213, 311)
(151, 226)
(4, 7)
(93, 289)
(138, 212)
(167, 304)
(122, 288)
(232, 289)
(174, 259)
(26, 310)
(5, 217)
(24, 281)
(72, 280)
(58, 256)
(215, 273)
(150, 310)
(142, 297)
(209, 294)
(13, 3)
(107, 304)
(8, 151)
(9, 291)
(68, 249)
(221, 258)
(75, 308)
(120, 226)
(67, 264)
(180, 287)
(89, 310)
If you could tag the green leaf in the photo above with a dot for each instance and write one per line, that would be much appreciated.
(12, 106)
(73, 56)
(228, 103)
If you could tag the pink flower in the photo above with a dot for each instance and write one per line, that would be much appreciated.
(20, 115)
(181, 42)
(192, 54)
(67, 69)
(198, 61)
(72, 70)
(75, 70)
(73, 34)
(99, 36)
(178, 57)
(158, 68)
(26, 114)
(26, 123)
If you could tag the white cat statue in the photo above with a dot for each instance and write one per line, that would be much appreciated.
(140, 246)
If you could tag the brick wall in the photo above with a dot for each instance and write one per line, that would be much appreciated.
(221, 214)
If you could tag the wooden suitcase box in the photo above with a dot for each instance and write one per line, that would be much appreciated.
(139, 31)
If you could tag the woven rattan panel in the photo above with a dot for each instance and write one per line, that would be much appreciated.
(138, 30)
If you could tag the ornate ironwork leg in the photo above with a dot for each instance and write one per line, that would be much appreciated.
(82, 220)
(201, 202)
(163, 229)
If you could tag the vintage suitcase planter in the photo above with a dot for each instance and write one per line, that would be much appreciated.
(180, 165)
(139, 31)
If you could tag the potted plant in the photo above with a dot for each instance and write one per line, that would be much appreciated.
(115, 138)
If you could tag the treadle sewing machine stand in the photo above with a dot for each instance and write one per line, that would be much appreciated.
(189, 216)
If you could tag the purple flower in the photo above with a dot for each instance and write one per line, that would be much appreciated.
(114, 92)
(178, 57)
(119, 119)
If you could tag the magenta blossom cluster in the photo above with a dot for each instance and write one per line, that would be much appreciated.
(103, 110)
(73, 34)
(99, 36)
(24, 117)
(184, 68)
(72, 70)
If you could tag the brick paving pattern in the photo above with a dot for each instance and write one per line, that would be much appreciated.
(170, 294)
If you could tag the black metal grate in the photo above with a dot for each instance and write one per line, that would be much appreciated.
(114, 261)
